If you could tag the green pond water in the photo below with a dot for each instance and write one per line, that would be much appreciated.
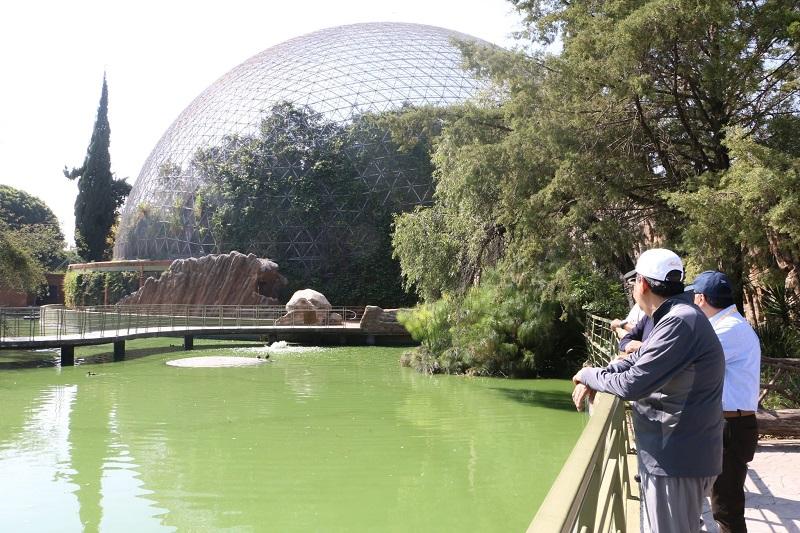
(335, 439)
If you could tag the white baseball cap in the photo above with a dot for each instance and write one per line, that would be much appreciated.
(657, 263)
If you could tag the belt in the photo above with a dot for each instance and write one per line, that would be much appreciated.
(737, 413)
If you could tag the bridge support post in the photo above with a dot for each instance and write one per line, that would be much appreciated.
(119, 350)
(188, 342)
(67, 356)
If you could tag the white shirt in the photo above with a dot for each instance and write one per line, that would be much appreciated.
(742, 360)
(634, 315)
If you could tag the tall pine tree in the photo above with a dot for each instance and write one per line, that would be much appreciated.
(99, 194)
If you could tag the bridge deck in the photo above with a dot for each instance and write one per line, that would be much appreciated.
(58, 327)
(108, 336)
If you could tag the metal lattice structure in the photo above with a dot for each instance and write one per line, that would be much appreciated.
(337, 74)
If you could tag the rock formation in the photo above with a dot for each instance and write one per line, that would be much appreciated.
(225, 279)
(309, 308)
(381, 321)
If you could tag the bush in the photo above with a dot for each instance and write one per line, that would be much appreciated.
(90, 288)
(497, 328)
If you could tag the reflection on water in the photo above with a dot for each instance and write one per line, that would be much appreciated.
(125, 500)
(335, 440)
(36, 463)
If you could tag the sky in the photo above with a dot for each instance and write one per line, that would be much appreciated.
(158, 55)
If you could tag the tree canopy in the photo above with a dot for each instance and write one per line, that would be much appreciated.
(18, 208)
(650, 110)
(99, 195)
(33, 227)
(317, 197)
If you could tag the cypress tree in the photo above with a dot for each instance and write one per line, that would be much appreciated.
(99, 194)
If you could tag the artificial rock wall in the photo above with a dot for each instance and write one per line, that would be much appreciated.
(224, 279)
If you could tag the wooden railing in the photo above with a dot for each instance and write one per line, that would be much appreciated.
(595, 491)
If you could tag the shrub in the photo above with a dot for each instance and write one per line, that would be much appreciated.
(496, 328)
(90, 288)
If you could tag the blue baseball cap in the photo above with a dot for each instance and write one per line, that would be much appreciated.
(714, 285)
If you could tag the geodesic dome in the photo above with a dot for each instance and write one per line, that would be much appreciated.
(334, 76)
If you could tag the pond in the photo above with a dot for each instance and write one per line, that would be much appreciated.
(321, 439)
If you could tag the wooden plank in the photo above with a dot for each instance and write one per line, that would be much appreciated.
(781, 423)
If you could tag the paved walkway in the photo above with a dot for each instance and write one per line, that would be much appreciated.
(772, 489)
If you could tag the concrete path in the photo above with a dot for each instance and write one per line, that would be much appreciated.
(772, 489)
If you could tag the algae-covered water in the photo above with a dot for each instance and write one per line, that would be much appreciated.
(335, 439)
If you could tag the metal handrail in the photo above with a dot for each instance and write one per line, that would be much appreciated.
(58, 322)
(594, 489)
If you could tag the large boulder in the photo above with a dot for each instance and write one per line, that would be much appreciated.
(224, 279)
(308, 307)
(305, 299)
(381, 321)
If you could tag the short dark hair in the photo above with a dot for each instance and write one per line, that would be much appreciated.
(718, 303)
(665, 289)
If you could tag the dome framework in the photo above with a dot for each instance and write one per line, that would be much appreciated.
(333, 78)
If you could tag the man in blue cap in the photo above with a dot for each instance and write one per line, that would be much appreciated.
(713, 294)
(674, 381)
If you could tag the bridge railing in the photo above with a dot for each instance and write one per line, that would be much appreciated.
(595, 491)
(32, 323)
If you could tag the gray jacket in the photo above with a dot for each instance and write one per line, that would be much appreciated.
(675, 381)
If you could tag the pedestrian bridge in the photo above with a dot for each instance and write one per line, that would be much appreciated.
(26, 328)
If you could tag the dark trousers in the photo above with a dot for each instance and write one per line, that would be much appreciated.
(739, 441)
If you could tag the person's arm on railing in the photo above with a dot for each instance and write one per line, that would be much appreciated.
(662, 357)
(634, 335)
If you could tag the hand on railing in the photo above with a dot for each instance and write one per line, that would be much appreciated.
(581, 393)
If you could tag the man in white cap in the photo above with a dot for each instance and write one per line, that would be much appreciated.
(675, 383)
(713, 294)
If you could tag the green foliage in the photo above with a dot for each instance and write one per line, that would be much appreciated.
(83, 288)
(780, 330)
(429, 323)
(299, 176)
(18, 269)
(660, 122)
(371, 276)
(90, 288)
(428, 251)
(99, 194)
(18, 208)
(751, 212)
(121, 284)
(497, 328)
(34, 228)
(264, 189)
(45, 243)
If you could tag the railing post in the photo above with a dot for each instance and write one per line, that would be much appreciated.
(67, 356)
(119, 350)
